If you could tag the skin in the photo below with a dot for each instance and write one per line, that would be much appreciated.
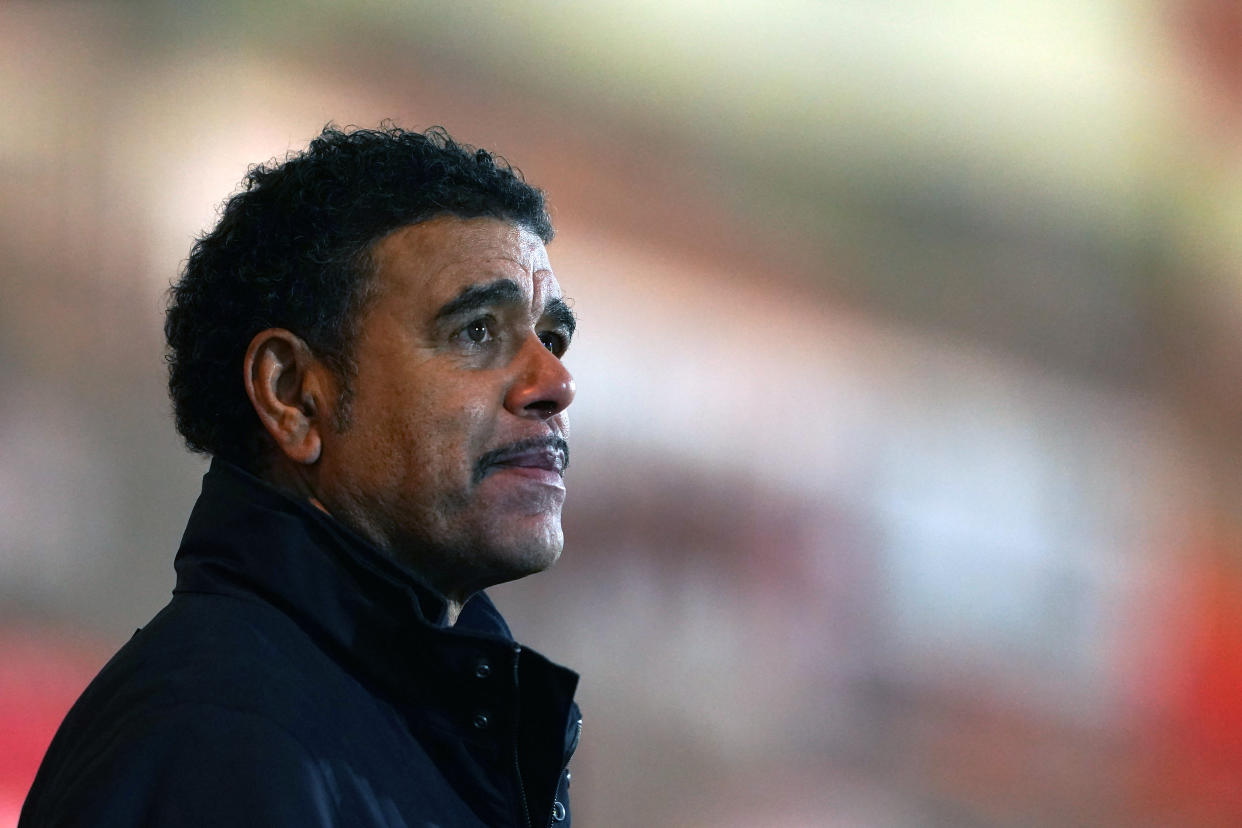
(449, 461)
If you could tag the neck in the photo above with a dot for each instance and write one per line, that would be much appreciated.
(454, 610)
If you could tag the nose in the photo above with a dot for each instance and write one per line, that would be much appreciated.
(543, 386)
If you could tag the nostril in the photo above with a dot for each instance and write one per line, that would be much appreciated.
(544, 408)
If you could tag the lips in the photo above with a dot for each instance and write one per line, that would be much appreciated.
(538, 456)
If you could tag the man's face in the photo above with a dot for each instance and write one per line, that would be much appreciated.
(453, 455)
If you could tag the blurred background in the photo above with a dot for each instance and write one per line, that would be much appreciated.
(907, 440)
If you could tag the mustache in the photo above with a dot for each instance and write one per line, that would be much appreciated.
(498, 455)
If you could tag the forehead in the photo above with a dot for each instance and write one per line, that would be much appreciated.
(435, 260)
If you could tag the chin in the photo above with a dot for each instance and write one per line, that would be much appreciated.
(511, 562)
(535, 560)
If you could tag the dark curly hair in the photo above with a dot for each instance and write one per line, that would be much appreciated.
(291, 250)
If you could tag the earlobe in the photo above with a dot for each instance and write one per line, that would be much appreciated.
(281, 378)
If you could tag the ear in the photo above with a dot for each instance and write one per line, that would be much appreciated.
(288, 388)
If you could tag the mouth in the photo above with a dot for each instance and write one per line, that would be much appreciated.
(539, 457)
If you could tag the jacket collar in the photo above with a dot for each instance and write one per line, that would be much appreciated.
(249, 540)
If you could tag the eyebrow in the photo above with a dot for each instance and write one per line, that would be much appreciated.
(561, 314)
(505, 292)
(474, 297)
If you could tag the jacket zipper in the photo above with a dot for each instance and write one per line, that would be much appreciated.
(517, 762)
(572, 749)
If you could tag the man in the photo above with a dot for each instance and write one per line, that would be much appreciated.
(369, 345)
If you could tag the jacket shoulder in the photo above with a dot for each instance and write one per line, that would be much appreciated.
(186, 764)
(220, 651)
(209, 707)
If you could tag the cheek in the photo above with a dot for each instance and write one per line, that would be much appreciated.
(428, 440)
(456, 436)
(385, 438)
(473, 415)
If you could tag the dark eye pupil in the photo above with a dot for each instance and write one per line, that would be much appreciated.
(477, 332)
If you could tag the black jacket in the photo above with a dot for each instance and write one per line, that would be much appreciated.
(300, 678)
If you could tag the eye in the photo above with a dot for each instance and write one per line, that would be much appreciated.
(478, 332)
(555, 342)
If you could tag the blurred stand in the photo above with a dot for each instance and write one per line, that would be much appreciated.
(904, 487)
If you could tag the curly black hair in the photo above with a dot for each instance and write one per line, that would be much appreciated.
(291, 250)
